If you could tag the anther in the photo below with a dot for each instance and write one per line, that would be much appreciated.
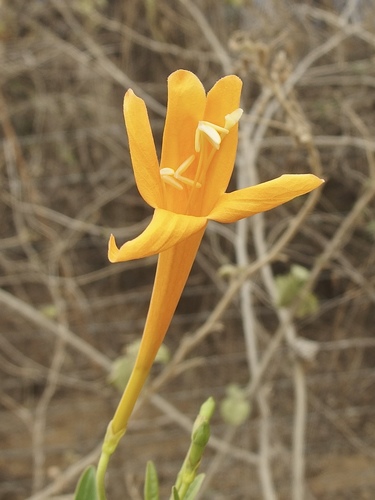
(233, 118)
(215, 133)
(174, 177)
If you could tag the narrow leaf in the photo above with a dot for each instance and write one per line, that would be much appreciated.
(175, 494)
(151, 489)
(86, 488)
(194, 488)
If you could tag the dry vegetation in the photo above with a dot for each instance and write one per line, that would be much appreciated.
(66, 183)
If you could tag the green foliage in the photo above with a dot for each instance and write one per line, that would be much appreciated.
(192, 490)
(194, 487)
(188, 482)
(151, 488)
(289, 286)
(235, 407)
(86, 488)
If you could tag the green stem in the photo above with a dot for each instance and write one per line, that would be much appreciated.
(110, 443)
(100, 475)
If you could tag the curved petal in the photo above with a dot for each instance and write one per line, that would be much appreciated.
(186, 103)
(234, 206)
(165, 230)
(142, 149)
(222, 99)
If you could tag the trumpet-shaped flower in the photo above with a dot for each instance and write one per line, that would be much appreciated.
(186, 189)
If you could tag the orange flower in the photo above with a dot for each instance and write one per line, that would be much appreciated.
(187, 189)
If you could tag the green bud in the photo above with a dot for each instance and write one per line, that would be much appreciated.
(205, 413)
(199, 440)
(207, 408)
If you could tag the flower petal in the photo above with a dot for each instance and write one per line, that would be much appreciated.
(142, 149)
(186, 103)
(222, 99)
(165, 230)
(234, 206)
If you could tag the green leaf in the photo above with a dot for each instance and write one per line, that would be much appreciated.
(86, 488)
(151, 489)
(235, 407)
(289, 286)
(175, 494)
(194, 488)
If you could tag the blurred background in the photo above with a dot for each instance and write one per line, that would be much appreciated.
(288, 353)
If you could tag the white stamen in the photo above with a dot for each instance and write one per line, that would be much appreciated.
(233, 118)
(166, 171)
(211, 131)
(215, 133)
(197, 141)
(184, 166)
(172, 182)
(174, 177)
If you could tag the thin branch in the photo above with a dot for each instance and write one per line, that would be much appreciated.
(30, 313)
(209, 34)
